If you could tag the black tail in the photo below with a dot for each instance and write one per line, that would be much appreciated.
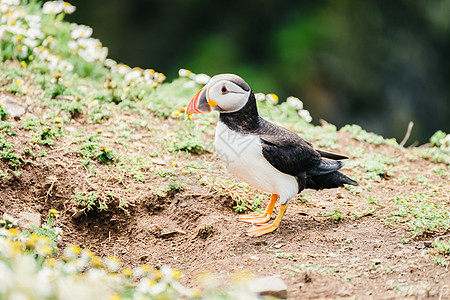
(328, 181)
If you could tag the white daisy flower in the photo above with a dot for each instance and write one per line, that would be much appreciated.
(110, 63)
(53, 7)
(260, 97)
(80, 31)
(69, 8)
(295, 102)
(304, 114)
(184, 73)
(133, 75)
(272, 98)
(200, 78)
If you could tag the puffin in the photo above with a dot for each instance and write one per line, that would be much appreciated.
(266, 156)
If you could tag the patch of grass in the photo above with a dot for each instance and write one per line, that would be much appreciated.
(442, 246)
(355, 190)
(421, 213)
(92, 150)
(240, 206)
(242, 194)
(58, 89)
(369, 137)
(29, 152)
(437, 139)
(89, 201)
(97, 115)
(47, 135)
(3, 113)
(335, 215)
(7, 152)
(31, 123)
(367, 212)
(188, 138)
(7, 127)
(376, 165)
(280, 254)
(106, 156)
(175, 186)
(72, 108)
(436, 155)
(374, 201)
(321, 136)
(441, 261)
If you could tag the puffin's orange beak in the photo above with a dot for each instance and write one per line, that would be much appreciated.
(199, 103)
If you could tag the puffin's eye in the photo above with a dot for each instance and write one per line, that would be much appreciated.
(224, 90)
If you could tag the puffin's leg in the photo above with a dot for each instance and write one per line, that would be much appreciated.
(261, 218)
(266, 228)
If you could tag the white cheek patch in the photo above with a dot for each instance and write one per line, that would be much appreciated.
(232, 101)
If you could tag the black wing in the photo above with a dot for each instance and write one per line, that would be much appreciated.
(291, 154)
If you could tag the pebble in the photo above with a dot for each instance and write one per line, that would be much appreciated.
(158, 161)
(269, 286)
(27, 220)
(13, 107)
(427, 243)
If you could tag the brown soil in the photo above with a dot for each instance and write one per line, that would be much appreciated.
(195, 230)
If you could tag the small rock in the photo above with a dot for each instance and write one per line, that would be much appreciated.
(13, 107)
(65, 97)
(158, 161)
(427, 243)
(27, 220)
(278, 246)
(269, 286)
(254, 257)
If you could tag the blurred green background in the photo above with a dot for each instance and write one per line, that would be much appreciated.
(379, 64)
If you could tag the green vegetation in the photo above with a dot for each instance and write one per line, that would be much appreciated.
(361, 135)
(89, 201)
(335, 215)
(421, 213)
(47, 135)
(376, 165)
(7, 152)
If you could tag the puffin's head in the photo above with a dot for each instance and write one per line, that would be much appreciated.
(225, 93)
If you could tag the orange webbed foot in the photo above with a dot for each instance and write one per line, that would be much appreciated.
(261, 230)
(255, 219)
(261, 218)
(266, 228)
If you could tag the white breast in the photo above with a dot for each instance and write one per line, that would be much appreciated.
(242, 155)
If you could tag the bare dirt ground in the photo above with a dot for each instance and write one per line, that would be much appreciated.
(356, 252)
